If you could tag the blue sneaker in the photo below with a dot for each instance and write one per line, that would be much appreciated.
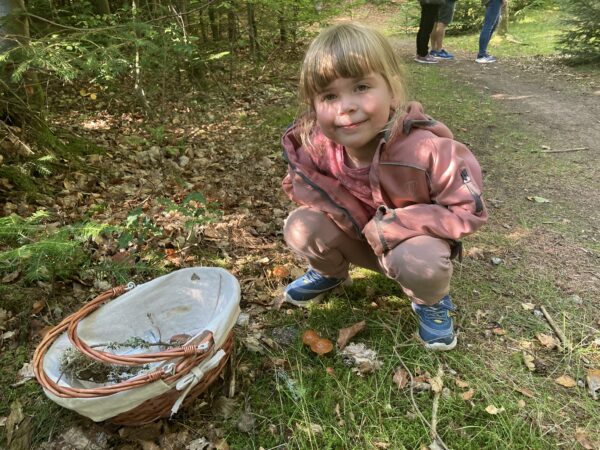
(444, 54)
(436, 327)
(434, 54)
(311, 288)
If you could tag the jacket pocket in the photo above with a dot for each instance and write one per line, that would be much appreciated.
(468, 183)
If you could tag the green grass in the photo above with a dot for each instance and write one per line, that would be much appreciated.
(534, 34)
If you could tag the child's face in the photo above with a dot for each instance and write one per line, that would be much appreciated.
(353, 111)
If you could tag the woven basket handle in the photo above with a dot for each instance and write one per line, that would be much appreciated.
(191, 356)
(203, 347)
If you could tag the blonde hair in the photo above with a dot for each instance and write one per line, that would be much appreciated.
(347, 50)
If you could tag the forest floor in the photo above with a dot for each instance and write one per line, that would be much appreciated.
(537, 138)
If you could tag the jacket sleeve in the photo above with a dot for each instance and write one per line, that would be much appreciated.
(457, 207)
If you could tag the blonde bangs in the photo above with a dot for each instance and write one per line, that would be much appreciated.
(346, 51)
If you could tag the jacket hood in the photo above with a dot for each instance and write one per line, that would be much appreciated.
(415, 117)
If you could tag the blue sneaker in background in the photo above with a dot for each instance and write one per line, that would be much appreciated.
(436, 327)
(485, 59)
(445, 55)
(311, 288)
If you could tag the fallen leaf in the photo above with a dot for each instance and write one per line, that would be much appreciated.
(528, 306)
(498, 331)
(246, 422)
(583, 439)
(382, 445)
(566, 381)
(11, 276)
(13, 420)
(421, 383)
(460, 383)
(93, 96)
(521, 403)
(493, 410)
(345, 334)
(25, 374)
(525, 345)
(38, 306)
(224, 407)
(528, 360)
(330, 370)
(525, 392)
(593, 382)
(401, 378)
(467, 395)
(547, 341)
(311, 428)
(437, 384)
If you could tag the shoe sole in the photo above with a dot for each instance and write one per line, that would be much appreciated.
(313, 301)
(438, 346)
(485, 62)
(426, 62)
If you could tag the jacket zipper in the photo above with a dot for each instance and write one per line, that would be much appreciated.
(477, 197)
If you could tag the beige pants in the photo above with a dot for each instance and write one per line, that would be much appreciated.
(421, 265)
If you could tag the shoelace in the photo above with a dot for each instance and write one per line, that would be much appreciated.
(312, 275)
(436, 313)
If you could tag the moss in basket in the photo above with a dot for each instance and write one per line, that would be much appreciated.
(76, 365)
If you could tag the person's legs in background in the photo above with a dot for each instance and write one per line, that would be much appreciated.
(428, 17)
(445, 16)
(490, 22)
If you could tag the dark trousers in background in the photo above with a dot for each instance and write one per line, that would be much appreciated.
(429, 15)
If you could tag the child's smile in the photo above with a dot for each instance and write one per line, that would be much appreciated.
(353, 111)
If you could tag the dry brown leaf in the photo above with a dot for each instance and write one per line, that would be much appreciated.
(460, 383)
(521, 403)
(38, 306)
(382, 445)
(528, 360)
(528, 306)
(493, 410)
(345, 334)
(11, 276)
(468, 395)
(498, 331)
(401, 378)
(566, 381)
(583, 439)
(525, 392)
(437, 384)
(546, 340)
(593, 382)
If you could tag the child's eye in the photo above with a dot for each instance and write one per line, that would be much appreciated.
(328, 97)
(362, 87)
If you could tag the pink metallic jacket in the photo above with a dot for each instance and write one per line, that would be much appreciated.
(426, 183)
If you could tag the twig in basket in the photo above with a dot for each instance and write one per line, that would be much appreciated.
(566, 343)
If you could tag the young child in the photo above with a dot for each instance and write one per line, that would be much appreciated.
(380, 185)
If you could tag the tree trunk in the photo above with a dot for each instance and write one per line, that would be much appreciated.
(252, 38)
(101, 7)
(282, 26)
(17, 33)
(214, 23)
(503, 25)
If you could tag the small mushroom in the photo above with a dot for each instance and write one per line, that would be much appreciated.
(321, 346)
(309, 337)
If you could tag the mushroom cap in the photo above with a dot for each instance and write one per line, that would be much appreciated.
(321, 346)
(309, 337)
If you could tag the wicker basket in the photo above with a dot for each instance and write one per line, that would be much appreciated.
(176, 376)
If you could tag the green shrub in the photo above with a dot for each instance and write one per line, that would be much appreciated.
(469, 14)
(581, 41)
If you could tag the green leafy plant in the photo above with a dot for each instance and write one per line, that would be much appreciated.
(42, 251)
(581, 41)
